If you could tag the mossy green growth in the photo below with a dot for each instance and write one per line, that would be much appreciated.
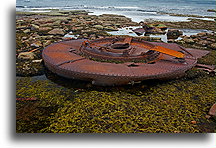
(148, 107)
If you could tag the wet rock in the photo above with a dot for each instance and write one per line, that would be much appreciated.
(56, 31)
(174, 33)
(212, 110)
(26, 56)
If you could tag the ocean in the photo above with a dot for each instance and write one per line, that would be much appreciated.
(135, 9)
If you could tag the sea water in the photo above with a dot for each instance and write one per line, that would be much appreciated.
(138, 10)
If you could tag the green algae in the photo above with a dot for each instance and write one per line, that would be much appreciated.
(149, 107)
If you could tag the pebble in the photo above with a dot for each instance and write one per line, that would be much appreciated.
(193, 122)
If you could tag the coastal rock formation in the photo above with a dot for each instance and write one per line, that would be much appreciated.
(202, 40)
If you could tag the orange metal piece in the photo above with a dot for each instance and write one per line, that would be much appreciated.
(168, 51)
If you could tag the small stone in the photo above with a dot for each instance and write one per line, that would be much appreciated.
(189, 41)
(36, 44)
(34, 27)
(37, 61)
(193, 122)
(27, 31)
(213, 46)
(99, 27)
(45, 28)
(48, 42)
(26, 56)
(207, 116)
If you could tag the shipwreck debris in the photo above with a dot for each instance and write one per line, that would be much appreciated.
(119, 61)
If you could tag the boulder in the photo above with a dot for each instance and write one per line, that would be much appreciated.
(56, 31)
(174, 33)
(26, 56)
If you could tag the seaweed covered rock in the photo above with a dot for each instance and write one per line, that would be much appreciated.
(174, 33)
(29, 67)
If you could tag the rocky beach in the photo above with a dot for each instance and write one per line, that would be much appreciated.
(48, 103)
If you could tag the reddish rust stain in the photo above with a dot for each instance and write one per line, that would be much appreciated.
(139, 60)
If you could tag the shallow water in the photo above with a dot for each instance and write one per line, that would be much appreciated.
(128, 31)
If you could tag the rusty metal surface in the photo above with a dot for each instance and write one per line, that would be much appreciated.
(83, 59)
